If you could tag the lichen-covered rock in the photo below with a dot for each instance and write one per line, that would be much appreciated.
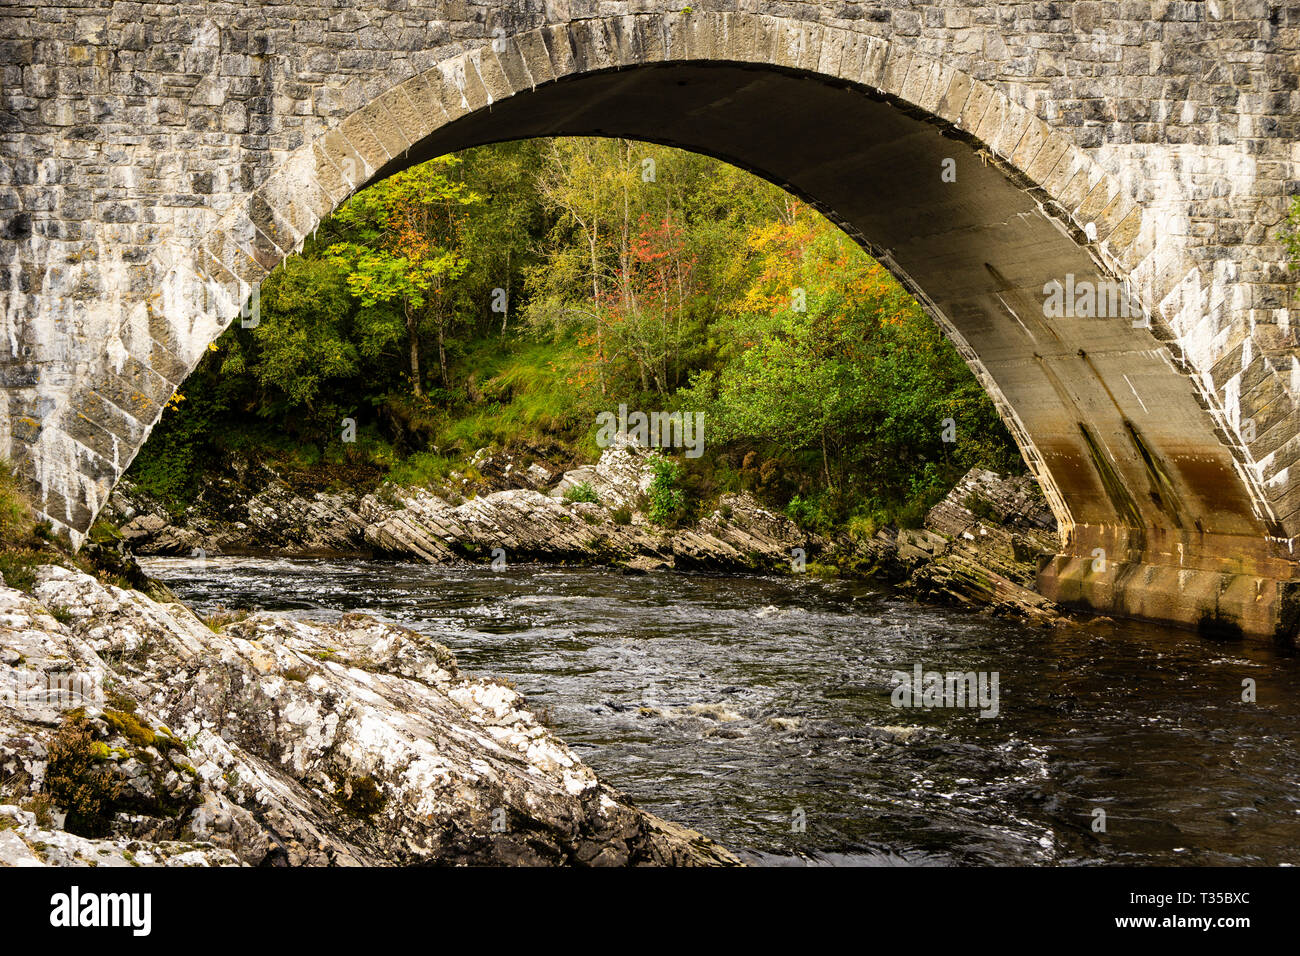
(279, 741)
(980, 546)
(257, 511)
(515, 523)
(621, 475)
(25, 842)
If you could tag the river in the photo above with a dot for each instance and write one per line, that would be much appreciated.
(759, 710)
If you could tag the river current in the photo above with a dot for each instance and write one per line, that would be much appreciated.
(761, 710)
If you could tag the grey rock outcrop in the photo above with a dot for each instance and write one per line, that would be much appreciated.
(980, 545)
(278, 741)
(532, 523)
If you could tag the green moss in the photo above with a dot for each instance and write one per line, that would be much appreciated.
(119, 701)
(819, 570)
(129, 726)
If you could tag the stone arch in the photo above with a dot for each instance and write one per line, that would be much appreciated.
(1159, 551)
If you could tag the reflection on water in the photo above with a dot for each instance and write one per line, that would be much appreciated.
(745, 707)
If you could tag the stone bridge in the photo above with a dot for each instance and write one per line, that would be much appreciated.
(158, 159)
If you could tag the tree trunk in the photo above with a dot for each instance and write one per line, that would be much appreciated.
(505, 316)
(442, 356)
(413, 337)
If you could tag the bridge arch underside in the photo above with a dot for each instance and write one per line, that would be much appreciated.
(1118, 434)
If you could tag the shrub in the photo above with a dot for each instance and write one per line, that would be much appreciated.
(667, 501)
(622, 515)
(809, 514)
(912, 513)
(40, 806)
(981, 507)
(75, 780)
(863, 527)
(16, 520)
(582, 491)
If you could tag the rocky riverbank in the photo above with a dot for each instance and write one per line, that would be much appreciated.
(263, 740)
(538, 516)
(978, 546)
(133, 733)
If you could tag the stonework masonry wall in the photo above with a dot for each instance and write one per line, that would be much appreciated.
(157, 159)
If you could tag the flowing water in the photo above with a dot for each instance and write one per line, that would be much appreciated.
(760, 710)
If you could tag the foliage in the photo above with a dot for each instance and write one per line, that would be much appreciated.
(667, 501)
(76, 780)
(830, 366)
(582, 491)
(809, 514)
(16, 519)
(403, 252)
(423, 469)
(555, 279)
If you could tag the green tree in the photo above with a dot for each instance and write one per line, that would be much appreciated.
(405, 249)
(306, 336)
